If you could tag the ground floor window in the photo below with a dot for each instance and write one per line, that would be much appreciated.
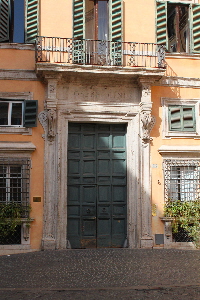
(182, 180)
(14, 196)
(182, 186)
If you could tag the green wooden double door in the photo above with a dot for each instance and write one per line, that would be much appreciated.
(97, 201)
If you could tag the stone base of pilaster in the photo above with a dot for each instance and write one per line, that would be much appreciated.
(48, 244)
(146, 242)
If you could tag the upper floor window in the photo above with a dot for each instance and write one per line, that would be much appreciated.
(178, 26)
(98, 19)
(18, 113)
(18, 21)
(182, 118)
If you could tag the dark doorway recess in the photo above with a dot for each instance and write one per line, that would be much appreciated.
(97, 201)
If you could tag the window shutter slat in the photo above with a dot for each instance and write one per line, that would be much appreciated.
(196, 28)
(161, 22)
(4, 20)
(116, 20)
(31, 21)
(30, 113)
(116, 31)
(79, 19)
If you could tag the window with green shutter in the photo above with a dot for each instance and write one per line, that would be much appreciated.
(18, 113)
(182, 118)
(87, 15)
(95, 22)
(18, 21)
(178, 26)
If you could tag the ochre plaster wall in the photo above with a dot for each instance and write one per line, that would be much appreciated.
(139, 21)
(183, 66)
(37, 157)
(56, 18)
(17, 59)
(158, 141)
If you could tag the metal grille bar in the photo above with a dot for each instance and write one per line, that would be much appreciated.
(99, 52)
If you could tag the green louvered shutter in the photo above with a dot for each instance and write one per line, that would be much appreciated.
(182, 118)
(32, 17)
(79, 19)
(30, 113)
(161, 23)
(4, 20)
(195, 28)
(116, 31)
(78, 31)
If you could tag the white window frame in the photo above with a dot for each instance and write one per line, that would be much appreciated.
(165, 103)
(10, 96)
(10, 103)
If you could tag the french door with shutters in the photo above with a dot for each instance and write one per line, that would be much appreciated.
(96, 205)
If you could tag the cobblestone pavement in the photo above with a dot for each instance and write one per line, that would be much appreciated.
(101, 274)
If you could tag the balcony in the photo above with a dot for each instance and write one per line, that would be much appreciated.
(100, 53)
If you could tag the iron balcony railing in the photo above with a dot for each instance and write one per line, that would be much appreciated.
(99, 52)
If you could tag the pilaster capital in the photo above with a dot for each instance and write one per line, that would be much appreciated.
(145, 83)
(52, 80)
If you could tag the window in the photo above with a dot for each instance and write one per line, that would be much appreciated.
(14, 189)
(182, 180)
(178, 26)
(18, 21)
(91, 19)
(18, 113)
(95, 22)
(182, 118)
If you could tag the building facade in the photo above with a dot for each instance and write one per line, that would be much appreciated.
(99, 120)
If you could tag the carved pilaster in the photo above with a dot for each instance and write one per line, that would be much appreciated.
(146, 124)
(48, 119)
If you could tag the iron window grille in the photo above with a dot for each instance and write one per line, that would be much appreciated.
(182, 179)
(15, 182)
(182, 182)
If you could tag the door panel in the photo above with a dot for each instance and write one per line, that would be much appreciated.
(97, 208)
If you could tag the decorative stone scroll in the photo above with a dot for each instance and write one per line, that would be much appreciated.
(51, 115)
(148, 122)
(48, 121)
(43, 121)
